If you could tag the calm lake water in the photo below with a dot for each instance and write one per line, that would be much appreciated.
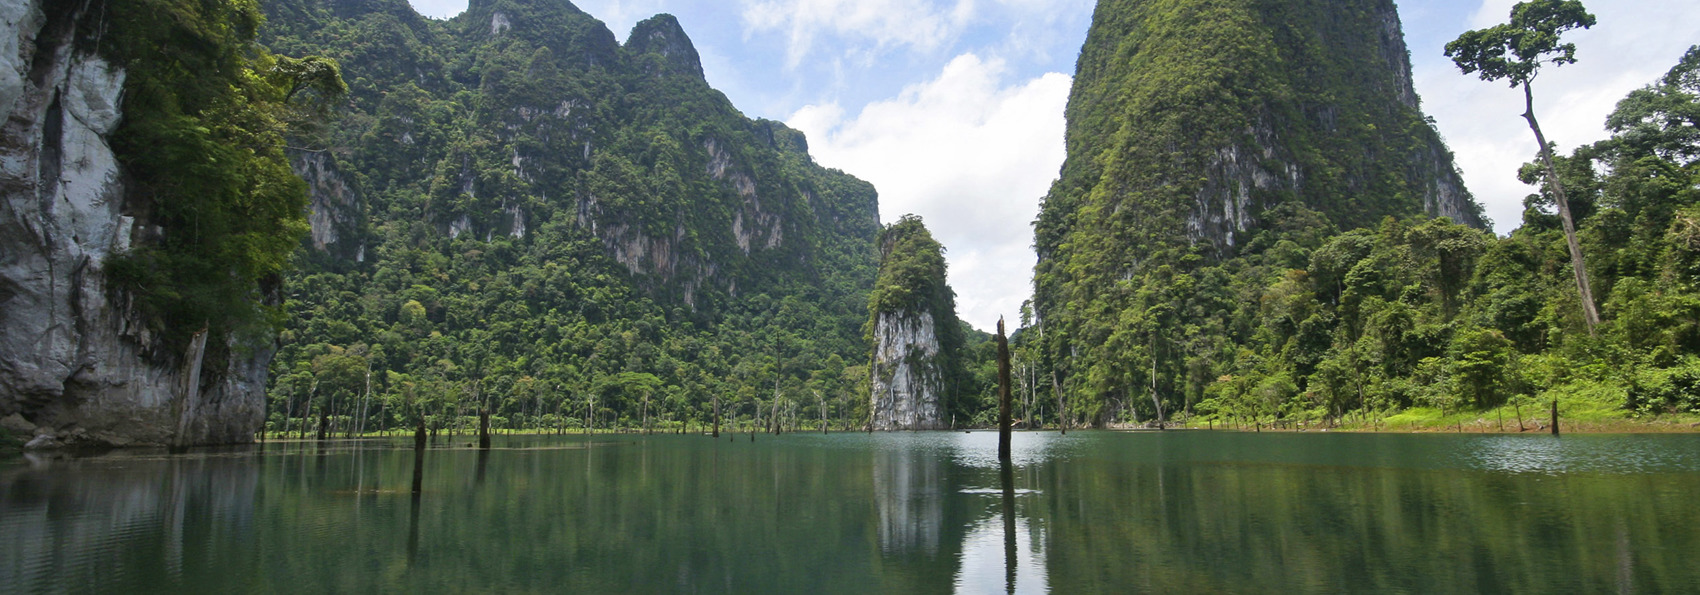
(857, 513)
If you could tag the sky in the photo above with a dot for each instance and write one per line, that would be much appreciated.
(953, 109)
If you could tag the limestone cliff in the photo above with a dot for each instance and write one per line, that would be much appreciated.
(917, 338)
(1190, 118)
(908, 376)
(1207, 139)
(78, 363)
(626, 143)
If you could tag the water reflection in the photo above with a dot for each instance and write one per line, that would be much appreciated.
(909, 488)
(138, 520)
(854, 513)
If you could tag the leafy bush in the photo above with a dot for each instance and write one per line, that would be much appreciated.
(1667, 390)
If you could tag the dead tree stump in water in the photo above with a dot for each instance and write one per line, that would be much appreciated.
(1003, 394)
(484, 429)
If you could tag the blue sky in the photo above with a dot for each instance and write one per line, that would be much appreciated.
(954, 108)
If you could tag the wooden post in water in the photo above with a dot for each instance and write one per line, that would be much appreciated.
(1003, 394)
(1555, 416)
(717, 415)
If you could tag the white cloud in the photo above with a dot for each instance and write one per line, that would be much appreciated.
(918, 24)
(972, 156)
(439, 9)
(1635, 42)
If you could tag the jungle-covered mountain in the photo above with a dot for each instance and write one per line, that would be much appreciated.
(1196, 125)
(516, 211)
(1256, 221)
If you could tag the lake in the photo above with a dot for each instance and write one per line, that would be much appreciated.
(860, 513)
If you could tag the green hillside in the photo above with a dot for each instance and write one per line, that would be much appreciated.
(517, 212)
(1242, 230)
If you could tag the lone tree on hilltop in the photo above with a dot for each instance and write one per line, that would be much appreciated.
(1515, 52)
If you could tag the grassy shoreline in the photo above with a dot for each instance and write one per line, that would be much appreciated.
(1574, 417)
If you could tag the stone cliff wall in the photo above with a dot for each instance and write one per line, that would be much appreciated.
(1244, 178)
(908, 374)
(77, 365)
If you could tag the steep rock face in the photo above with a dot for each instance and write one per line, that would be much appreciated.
(916, 367)
(1190, 118)
(335, 211)
(908, 373)
(1204, 135)
(625, 142)
(76, 360)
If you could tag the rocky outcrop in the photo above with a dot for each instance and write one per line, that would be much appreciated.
(1300, 102)
(334, 207)
(77, 364)
(908, 374)
(662, 37)
(917, 338)
(1243, 178)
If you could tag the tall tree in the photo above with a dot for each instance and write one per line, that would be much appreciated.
(1514, 52)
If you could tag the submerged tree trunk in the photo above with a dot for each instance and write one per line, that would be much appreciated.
(419, 456)
(484, 428)
(716, 416)
(1555, 416)
(1590, 311)
(1003, 401)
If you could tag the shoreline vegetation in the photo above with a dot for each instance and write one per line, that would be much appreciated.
(1575, 417)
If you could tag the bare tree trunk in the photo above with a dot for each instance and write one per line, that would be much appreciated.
(288, 410)
(1590, 311)
(484, 428)
(822, 411)
(773, 420)
(1003, 407)
(1555, 416)
(716, 416)
(1155, 402)
(1062, 407)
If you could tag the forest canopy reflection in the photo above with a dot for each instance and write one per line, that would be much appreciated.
(896, 513)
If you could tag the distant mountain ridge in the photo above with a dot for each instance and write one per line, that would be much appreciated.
(560, 107)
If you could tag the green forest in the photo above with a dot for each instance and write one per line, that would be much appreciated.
(559, 232)
(1323, 317)
(518, 221)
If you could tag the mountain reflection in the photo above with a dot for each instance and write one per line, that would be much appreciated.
(909, 488)
(854, 513)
